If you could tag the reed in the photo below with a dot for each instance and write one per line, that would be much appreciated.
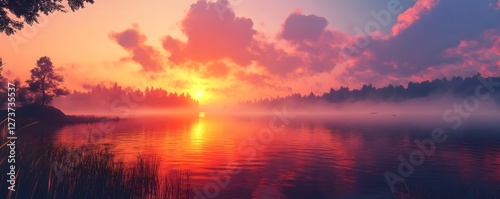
(55, 171)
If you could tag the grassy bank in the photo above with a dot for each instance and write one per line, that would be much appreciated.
(56, 171)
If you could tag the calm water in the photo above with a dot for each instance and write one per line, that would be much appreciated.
(311, 157)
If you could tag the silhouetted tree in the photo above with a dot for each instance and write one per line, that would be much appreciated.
(44, 82)
(29, 11)
(23, 94)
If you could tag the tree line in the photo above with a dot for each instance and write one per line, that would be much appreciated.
(456, 86)
(45, 85)
(101, 97)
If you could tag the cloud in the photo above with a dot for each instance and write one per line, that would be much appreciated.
(211, 37)
(423, 44)
(180, 84)
(481, 55)
(432, 38)
(175, 47)
(260, 81)
(134, 42)
(318, 47)
(413, 14)
(216, 69)
(215, 35)
(300, 28)
(275, 60)
(129, 38)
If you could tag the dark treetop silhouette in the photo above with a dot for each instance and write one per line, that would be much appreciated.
(30, 10)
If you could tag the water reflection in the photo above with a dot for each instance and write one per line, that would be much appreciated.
(309, 159)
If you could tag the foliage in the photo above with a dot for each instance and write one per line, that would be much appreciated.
(44, 82)
(28, 11)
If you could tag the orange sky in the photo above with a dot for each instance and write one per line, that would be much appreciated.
(92, 46)
(79, 45)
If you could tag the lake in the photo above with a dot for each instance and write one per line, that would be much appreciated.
(304, 155)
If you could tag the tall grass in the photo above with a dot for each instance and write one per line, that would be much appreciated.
(54, 171)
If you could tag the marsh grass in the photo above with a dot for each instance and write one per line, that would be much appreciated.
(55, 171)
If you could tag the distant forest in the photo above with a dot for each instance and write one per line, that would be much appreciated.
(46, 87)
(456, 87)
(114, 97)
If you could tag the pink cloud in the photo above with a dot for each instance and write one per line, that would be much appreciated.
(276, 61)
(175, 47)
(211, 37)
(413, 14)
(133, 41)
(481, 56)
(306, 47)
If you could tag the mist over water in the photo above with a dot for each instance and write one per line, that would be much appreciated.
(308, 146)
(322, 151)
(421, 110)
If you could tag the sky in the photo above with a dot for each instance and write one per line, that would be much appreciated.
(223, 51)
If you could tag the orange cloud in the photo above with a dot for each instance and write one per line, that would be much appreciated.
(216, 69)
(413, 14)
(211, 37)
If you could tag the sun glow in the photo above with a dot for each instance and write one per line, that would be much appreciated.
(198, 95)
